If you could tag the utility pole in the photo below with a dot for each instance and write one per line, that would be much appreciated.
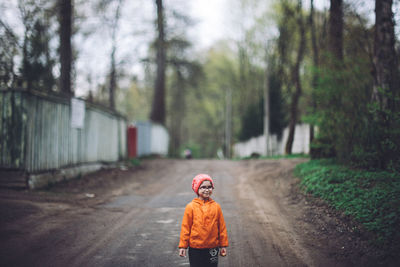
(266, 103)
(228, 123)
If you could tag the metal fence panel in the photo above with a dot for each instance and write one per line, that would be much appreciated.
(36, 134)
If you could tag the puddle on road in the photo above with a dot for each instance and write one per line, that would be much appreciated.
(165, 221)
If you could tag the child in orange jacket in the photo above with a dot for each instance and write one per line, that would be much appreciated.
(203, 226)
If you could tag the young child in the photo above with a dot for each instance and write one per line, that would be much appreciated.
(203, 226)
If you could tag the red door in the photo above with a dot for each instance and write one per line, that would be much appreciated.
(132, 141)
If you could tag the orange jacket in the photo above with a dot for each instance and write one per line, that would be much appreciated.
(203, 225)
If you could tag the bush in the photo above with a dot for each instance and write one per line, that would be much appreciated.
(322, 148)
(353, 129)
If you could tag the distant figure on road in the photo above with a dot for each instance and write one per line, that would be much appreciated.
(188, 153)
(203, 226)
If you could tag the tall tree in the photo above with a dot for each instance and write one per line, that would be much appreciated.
(184, 78)
(296, 80)
(29, 14)
(158, 105)
(315, 57)
(113, 70)
(386, 81)
(37, 64)
(385, 93)
(65, 32)
(336, 29)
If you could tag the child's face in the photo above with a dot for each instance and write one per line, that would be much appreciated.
(205, 190)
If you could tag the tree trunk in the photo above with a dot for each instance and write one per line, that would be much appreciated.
(297, 81)
(158, 106)
(65, 17)
(335, 43)
(113, 80)
(266, 129)
(315, 55)
(113, 71)
(177, 112)
(385, 62)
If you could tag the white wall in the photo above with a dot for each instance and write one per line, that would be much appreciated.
(159, 140)
(275, 147)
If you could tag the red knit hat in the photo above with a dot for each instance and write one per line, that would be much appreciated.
(198, 179)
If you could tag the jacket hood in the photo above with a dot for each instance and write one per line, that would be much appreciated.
(201, 202)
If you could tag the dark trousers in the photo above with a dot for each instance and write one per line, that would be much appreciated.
(203, 257)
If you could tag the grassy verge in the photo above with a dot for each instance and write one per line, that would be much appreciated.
(371, 198)
(291, 156)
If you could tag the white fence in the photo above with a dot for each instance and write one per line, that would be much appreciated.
(37, 136)
(301, 143)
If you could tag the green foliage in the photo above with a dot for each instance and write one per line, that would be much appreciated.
(379, 146)
(253, 121)
(289, 156)
(204, 122)
(253, 118)
(371, 198)
(134, 101)
(342, 97)
(134, 162)
(277, 118)
(322, 148)
(194, 148)
(352, 128)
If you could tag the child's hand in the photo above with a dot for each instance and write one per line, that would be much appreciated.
(182, 252)
(222, 252)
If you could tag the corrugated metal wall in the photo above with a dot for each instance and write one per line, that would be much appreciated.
(143, 138)
(36, 134)
(151, 139)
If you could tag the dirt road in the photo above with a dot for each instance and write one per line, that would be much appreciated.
(132, 218)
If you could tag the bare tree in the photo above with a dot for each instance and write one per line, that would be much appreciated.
(158, 106)
(65, 32)
(8, 51)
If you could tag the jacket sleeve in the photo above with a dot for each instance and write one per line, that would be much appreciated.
(187, 222)
(223, 235)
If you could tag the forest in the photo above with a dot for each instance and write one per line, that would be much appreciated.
(334, 67)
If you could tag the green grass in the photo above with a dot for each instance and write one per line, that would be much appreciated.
(134, 162)
(371, 198)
